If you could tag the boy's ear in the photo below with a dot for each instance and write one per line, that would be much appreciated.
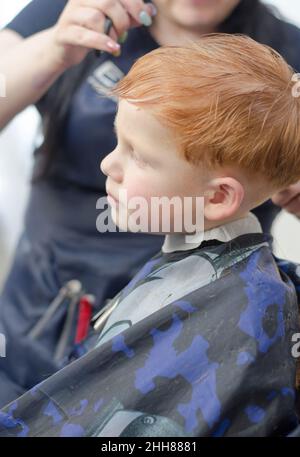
(223, 199)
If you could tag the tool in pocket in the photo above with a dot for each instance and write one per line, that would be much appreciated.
(70, 289)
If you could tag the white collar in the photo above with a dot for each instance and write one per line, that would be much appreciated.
(181, 242)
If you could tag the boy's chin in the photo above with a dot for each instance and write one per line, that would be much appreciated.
(125, 225)
(121, 221)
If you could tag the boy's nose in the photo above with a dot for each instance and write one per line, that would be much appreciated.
(111, 167)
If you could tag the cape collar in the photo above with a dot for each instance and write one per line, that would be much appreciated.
(182, 242)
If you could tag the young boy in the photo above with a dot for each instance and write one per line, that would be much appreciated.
(200, 341)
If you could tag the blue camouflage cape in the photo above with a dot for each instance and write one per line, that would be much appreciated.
(213, 362)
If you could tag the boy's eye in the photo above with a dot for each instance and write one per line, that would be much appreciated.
(137, 158)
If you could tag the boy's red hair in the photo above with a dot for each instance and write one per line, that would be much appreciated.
(228, 100)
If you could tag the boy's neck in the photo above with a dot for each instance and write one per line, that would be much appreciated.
(225, 232)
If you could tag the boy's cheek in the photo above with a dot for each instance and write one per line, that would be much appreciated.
(140, 190)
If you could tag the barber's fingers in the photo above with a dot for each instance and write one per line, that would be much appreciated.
(80, 28)
(111, 8)
(80, 36)
(91, 19)
(124, 14)
(135, 7)
(284, 197)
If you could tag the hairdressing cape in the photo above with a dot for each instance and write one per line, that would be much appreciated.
(215, 361)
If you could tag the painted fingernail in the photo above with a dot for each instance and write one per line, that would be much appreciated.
(113, 45)
(123, 37)
(154, 9)
(145, 18)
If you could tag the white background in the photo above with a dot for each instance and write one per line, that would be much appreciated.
(16, 145)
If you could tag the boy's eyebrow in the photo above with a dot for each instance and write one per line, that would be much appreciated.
(115, 127)
(115, 119)
(116, 132)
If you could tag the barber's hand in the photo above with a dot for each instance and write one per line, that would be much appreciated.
(80, 27)
(289, 199)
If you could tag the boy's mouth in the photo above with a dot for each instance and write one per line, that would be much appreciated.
(111, 199)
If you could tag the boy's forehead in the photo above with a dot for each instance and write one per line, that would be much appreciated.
(132, 117)
(129, 118)
(138, 123)
(124, 108)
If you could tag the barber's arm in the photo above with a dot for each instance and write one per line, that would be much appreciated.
(27, 70)
(29, 66)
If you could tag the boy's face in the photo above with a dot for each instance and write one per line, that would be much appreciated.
(146, 163)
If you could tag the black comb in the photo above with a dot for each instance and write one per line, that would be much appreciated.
(107, 26)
